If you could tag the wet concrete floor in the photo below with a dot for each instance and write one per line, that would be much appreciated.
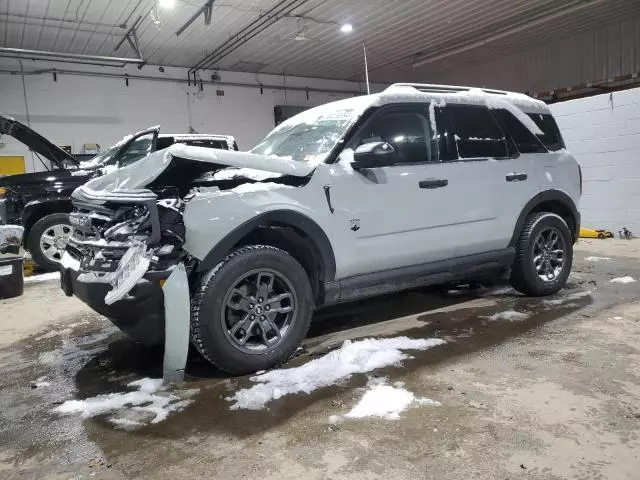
(555, 395)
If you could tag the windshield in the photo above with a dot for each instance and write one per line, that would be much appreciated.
(137, 149)
(310, 136)
(100, 159)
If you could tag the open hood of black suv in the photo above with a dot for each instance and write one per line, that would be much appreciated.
(35, 141)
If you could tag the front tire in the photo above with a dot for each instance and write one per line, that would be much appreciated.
(544, 255)
(252, 310)
(47, 240)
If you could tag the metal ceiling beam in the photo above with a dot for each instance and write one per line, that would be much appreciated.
(206, 9)
(132, 38)
(45, 54)
(281, 9)
(424, 60)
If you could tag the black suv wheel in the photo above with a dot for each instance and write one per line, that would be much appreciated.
(252, 310)
(48, 238)
(544, 254)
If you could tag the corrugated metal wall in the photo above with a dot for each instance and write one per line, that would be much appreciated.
(590, 56)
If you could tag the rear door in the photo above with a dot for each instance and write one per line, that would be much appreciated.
(489, 180)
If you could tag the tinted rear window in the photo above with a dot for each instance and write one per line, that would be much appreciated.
(476, 132)
(551, 138)
(524, 140)
(207, 143)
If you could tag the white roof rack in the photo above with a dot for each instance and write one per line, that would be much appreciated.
(428, 87)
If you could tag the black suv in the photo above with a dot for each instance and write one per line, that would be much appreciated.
(40, 201)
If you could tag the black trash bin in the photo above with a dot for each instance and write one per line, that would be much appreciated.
(11, 277)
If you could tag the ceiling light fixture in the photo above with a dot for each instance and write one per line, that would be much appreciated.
(346, 28)
(166, 4)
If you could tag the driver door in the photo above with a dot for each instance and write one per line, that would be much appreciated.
(393, 213)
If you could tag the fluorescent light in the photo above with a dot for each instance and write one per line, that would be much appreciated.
(346, 28)
(166, 4)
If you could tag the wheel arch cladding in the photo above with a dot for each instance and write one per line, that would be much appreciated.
(553, 201)
(291, 231)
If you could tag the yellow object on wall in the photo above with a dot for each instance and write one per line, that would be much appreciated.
(11, 165)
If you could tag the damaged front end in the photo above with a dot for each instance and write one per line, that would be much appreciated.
(121, 251)
(129, 233)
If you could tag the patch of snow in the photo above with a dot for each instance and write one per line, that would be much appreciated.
(251, 173)
(41, 382)
(352, 357)
(258, 187)
(503, 291)
(566, 298)
(150, 403)
(68, 262)
(387, 402)
(626, 279)
(596, 259)
(80, 173)
(617, 318)
(548, 175)
(510, 315)
(148, 385)
(44, 277)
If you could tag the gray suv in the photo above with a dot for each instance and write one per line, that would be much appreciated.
(417, 185)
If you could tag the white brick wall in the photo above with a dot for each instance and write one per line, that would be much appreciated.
(603, 132)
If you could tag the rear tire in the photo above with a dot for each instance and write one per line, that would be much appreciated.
(536, 269)
(227, 297)
(45, 241)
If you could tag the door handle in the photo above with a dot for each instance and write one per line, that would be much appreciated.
(435, 183)
(516, 177)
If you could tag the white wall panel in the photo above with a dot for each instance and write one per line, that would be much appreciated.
(603, 132)
(75, 110)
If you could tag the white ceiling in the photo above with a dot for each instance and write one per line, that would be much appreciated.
(395, 32)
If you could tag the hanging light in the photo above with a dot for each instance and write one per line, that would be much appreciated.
(166, 4)
(346, 28)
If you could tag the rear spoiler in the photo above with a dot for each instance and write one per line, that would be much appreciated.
(35, 142)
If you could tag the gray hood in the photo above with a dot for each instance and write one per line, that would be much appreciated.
(129, 183)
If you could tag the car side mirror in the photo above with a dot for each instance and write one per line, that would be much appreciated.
(374, 155)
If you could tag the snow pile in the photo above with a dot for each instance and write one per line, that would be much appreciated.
(596, 259)
(258, 187)
(386, 401)
(496, 292)
(353, 357)
(44, 277)
(148, 404)
(510, 315)
(626, 279)
(567, 298)
(41, 382)
(253, 174)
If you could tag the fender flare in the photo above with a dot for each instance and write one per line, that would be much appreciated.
(289, 218)
(542, 197)
(33, 206)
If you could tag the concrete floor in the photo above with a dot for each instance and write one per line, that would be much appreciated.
(554, 396)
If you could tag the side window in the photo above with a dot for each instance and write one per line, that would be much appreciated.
(476, 132)
(164, 142)
(409, 132)
(219, 144)
(551, 138)
(524, 140)
(136, 150)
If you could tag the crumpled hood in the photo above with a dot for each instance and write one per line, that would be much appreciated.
(133, 180)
